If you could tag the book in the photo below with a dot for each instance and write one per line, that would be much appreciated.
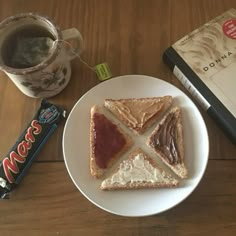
(204, 61)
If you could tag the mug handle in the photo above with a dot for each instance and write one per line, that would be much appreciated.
(75, 42)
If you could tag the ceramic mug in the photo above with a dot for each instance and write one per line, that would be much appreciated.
(51, 75)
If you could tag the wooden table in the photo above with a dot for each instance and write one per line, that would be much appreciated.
(131, 36)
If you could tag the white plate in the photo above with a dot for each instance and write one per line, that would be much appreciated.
(135, 202)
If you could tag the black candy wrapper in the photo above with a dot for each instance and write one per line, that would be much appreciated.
(20, 157)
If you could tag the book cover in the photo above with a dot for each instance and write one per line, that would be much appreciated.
(205, 63)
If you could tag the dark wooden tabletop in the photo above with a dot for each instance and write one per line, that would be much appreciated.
(131, 36)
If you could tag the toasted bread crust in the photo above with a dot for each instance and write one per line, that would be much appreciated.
(95, 170)
(137, 186)
(139, 128)
(179, 168)
(144, 184)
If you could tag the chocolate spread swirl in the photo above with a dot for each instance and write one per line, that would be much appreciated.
(165, 140)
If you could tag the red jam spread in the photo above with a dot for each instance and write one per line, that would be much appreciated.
(108, 140)
(165, 140)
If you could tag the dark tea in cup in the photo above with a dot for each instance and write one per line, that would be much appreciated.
(27, 46)
(34, 56)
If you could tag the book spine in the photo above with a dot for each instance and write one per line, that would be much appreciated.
(201, 92)
(191, 88)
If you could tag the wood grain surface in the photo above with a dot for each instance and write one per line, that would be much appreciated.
(47, 203)
(131, 36)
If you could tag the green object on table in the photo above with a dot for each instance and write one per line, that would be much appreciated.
(103, 71)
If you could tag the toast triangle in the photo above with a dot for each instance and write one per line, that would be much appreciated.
(138, 114)
(107, 142)
(167, 142)
(138, 171)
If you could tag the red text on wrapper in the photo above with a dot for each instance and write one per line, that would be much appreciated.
(10, 164)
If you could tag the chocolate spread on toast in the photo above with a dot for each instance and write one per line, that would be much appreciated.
(165, 140)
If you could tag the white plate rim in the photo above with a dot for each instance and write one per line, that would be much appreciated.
(104, 84)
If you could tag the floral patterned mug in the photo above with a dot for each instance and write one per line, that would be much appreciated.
(50, 75)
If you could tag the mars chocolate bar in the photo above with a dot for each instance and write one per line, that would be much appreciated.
(20, 157)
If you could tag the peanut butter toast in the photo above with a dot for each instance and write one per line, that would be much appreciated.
(136, 172)
(107, 143)
(138, 114)
(167, 141)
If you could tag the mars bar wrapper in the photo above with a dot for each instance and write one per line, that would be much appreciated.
(20, 157)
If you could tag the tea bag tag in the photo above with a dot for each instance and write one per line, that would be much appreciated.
(103, 71)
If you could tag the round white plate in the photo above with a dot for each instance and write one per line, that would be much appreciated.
(140, 202)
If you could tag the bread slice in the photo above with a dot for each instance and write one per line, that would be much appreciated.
(107, 143)
(138, 114)
(136, 172)
(168, 142)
